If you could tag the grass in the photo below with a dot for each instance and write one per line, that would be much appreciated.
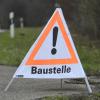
(89, 53)
(12, 51)
(74, 97)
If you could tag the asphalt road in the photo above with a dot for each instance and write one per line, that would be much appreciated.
(2, 30)
(31, 89)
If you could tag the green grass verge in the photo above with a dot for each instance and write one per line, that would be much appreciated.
(12, 51)
(89, 53)
(74, 97)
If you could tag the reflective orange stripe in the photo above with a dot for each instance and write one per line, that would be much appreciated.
(73, 60)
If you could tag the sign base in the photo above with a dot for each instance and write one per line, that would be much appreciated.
(86, 81)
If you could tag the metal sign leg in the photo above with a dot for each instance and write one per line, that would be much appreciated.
(88, 86)
(8, 84)
(61, 83)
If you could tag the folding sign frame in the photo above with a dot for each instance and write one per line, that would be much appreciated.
(62, 54)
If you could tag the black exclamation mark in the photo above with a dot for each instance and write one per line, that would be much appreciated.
(55, 33)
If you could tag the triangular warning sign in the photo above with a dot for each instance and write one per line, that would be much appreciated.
(55, 24)
(53, 55)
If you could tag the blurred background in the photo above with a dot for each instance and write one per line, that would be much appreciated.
(82, 14)
(82, 17)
